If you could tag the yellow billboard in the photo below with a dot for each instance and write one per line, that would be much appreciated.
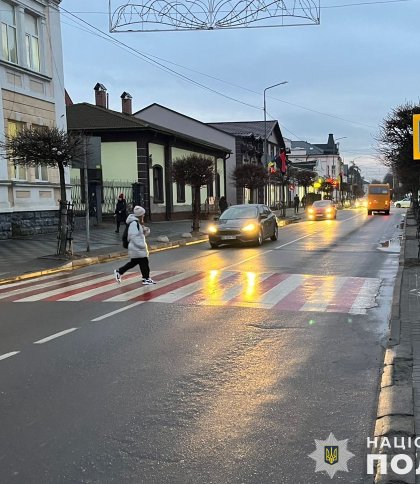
(416, 136)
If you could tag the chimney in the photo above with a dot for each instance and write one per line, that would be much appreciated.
(100, 95)
(126, 103)
(331, 143)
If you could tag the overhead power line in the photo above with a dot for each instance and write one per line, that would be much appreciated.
(150, 58)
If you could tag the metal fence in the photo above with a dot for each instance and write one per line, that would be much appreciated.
(110, 191)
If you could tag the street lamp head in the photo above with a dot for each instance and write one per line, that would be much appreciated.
(275, 85)
(265, 118)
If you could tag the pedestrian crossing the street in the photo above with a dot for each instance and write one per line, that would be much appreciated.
(265, 290)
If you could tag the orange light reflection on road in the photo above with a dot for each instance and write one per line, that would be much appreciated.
(322, 238)
(212, 286)
(250, 288)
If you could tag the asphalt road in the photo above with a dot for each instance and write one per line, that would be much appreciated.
(226, 371)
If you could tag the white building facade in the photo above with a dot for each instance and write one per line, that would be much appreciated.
(32, 95)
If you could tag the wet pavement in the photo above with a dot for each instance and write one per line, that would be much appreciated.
(38, 252)
(226, 370)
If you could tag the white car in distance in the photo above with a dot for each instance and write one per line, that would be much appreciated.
(404, 203)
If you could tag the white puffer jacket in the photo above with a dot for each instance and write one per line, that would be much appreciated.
(137, 233)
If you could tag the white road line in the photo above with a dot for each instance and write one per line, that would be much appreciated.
(246, 260)
(366, 296)
(108, 315)
(236, 290)
(311, 235)
(39, 285)
(282, 289)
(131, 279)
(70, 287)
(8, 355)
(53, 336)
(140, 290)
(181, 292)
(292, 241)
(325, 294)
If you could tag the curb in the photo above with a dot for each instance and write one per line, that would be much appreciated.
(395, 411)
(101, 258)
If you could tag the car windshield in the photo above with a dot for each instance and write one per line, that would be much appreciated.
(322, 203)
(239, 212)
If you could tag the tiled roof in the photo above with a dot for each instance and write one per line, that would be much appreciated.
(85, 116)
(246, 128)
(88, 116)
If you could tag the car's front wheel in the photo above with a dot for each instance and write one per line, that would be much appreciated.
(213, 245)
(260, 239)
(275, 235)
(398, 205)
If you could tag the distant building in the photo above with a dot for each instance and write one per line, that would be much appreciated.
(249, 148)
(140, 152)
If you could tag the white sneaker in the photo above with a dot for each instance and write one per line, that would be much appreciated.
(117, 276)
(148, 282)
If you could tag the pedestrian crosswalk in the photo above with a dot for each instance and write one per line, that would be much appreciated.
(266, 290)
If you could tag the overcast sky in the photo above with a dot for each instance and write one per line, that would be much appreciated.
(344, 75)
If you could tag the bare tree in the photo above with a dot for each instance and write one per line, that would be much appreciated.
(395, 144)
(305, 178)
(196, 171)
(46, 146)
(251, 176)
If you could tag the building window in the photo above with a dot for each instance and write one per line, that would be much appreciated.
(158, 184)
(41, 173)
(32, 42)
(19, 172)
(333, 171)
(8, 32)
(210, 192)
(180, 192)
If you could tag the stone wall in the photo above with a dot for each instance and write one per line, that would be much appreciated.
(5, 226)
(18, 224)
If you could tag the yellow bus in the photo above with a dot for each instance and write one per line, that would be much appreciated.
(379, 198)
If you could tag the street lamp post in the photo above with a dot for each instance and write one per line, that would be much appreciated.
(265, 119)
(265, 122)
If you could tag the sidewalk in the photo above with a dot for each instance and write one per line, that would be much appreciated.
(34, 254)
(399, 400)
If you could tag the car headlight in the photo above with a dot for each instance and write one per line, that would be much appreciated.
(328, 210)
(311, 210)
(212, 229)
(249, 227)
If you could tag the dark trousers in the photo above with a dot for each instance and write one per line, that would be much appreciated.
(142, 262)
(296, 208)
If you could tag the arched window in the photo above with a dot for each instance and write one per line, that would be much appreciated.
(158, 184)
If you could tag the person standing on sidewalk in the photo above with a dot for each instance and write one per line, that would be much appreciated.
(296, 203)
(137, 247)
(223, 205)
(120, 211)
